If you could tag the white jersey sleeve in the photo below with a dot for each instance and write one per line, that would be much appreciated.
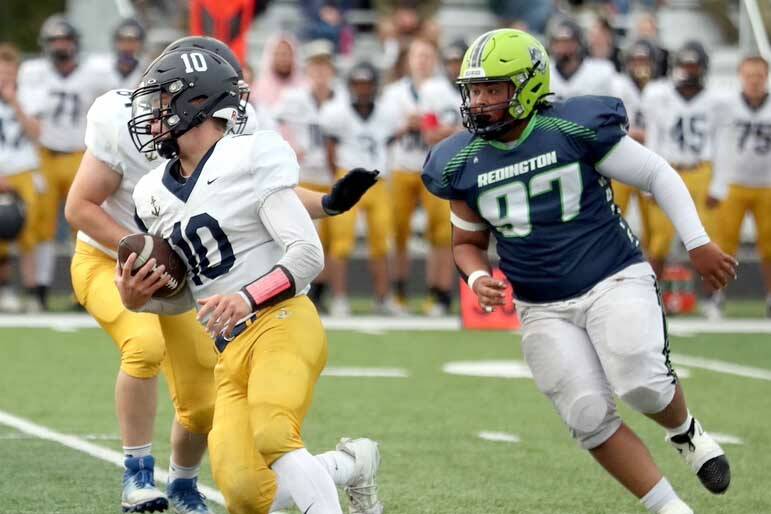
(440, 98)
(17, 152)
(275, 165)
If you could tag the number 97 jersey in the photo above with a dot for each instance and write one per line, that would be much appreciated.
(211, 219)
(557, 229)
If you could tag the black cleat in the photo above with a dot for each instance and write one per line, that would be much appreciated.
(715, 475)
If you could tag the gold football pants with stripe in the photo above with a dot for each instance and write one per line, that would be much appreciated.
(697, 181)
(265, 379)
(148, 344)
(59, 171)
(623, 195)
(740, 201)
(407, 190)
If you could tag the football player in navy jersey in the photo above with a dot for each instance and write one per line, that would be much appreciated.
(536, 175)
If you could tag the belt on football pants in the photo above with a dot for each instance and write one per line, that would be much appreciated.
(221, 342)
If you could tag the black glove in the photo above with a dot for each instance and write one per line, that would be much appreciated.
(347, 191)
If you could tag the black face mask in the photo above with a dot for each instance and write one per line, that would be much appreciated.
(61, 55)
(127, 60)
(168, 148)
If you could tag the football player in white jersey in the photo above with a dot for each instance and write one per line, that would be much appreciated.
(440, 98)
(402, 100)
(251, 255)
(683, 118)
(128, 44)
(573, 73)
(18, 165)
(298, 115)
(60, 86)
(100, 205)
(357, 128)
(639, 68)
(746, 185)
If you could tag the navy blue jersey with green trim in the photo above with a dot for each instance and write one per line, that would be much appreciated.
(557, 229)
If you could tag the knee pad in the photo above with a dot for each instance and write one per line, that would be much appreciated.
(649, 399)
(141, 356)
(197, 418)
(592, 420)
(275, 432)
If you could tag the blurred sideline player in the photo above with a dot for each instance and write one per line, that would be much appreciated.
(357, 128)
(439, 98)
(128, 44)
(298, 117)
(639, 68)
(573, 72)
(100, 205)
(402, 101)
(260, 254)
(18, 168)
(60, 86)
(747, 186)
(683, 119)
(535, 175)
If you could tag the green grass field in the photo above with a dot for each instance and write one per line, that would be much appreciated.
(427, 424)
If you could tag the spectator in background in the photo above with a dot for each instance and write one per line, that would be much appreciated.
(18, 165)
(299, 119)
(400, 22)
(128, 44)
(647, 28)
(531, 16)
(61, 86)
(325, 19)
(440, 98)
(573, 72)
(602, 43)
(279, 70)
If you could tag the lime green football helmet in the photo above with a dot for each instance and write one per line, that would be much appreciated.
(504, 55)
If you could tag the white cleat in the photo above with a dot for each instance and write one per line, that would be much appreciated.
(705, 457)
(10, 301)
(339, 307)
(362, 492)
(389, 307)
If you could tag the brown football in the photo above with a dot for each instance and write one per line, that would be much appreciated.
(146, 247)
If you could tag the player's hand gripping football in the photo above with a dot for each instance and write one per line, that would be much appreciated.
(224, 312)
(714, 265)
(137, 289)
(347, 191)
(490, 292)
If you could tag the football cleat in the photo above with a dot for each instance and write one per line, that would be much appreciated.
(339, 307)
(139, 491)
(362, 491)
(676, 506)
(389, 306)
(705, 457)
(185, 498)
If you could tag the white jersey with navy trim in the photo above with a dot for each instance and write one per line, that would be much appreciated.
(17, 152)
(683, 131)
(593, 77)
(752, 130)
(212, 218)
(60, 102)
(441, 98)
(402, 99)
(360, 142)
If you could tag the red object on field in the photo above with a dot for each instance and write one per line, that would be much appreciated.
(429, 122)
(678, 292)
(227, 20)
(474, 318)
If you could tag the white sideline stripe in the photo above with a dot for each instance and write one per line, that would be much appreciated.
(336, 371)
(99, 452)
(726, 438)
(500, 437)
(722, 367)
(381, 323)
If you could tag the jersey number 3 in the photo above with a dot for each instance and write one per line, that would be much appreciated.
(507, 207)
(198, 257)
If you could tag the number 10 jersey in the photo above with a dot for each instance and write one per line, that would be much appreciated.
(211, 218)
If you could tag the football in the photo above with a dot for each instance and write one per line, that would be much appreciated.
(146, 247)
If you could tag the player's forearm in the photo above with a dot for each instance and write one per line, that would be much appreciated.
(311, 200)
(177, 304)
(95, 222)
(633, 164)
(470, 258)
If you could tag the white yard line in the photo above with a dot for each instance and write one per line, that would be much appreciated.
(722, 366)
(377, 324)
(499, 437)
(99, 452)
